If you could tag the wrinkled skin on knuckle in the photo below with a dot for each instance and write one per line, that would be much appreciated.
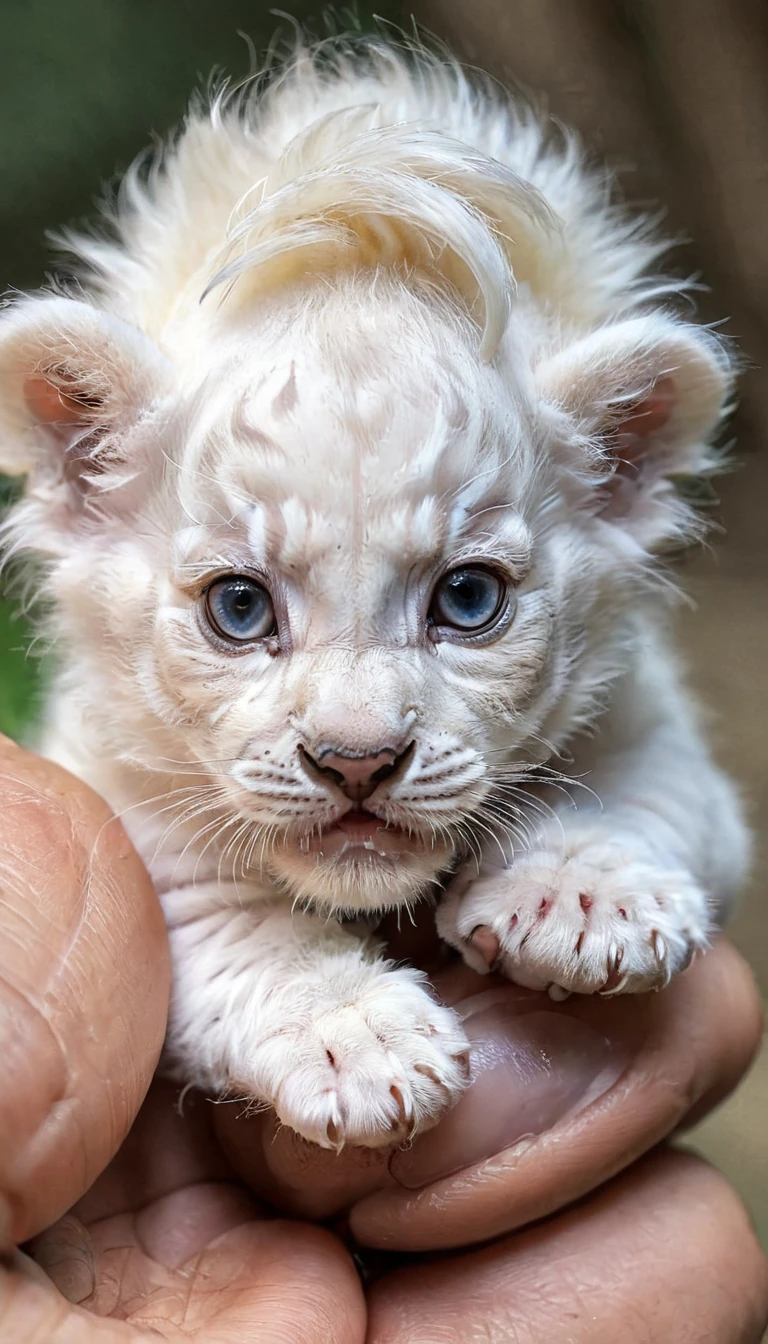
(601, 1272)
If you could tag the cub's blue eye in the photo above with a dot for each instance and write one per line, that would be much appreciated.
(240, 609)
(468, 599)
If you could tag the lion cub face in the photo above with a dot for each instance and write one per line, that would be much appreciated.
(344, 619)
(347, 576)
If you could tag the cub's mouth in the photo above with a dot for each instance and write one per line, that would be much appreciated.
(360, 836)
(360, 862)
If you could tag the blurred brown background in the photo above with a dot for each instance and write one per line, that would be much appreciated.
(674, 94)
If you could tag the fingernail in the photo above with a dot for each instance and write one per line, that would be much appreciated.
(484, 941)
(529, 1069)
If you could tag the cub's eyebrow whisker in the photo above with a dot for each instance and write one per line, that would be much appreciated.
(188, 470)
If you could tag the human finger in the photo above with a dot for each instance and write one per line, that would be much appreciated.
(198, 1264)
(84, 983)
(664, 1252)
(564, 1097)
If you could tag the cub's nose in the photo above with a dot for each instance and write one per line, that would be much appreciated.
(358, 774)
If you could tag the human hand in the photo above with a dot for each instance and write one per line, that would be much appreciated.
(168, 1240)
(162, 1245)
(663, 1253)
(565, 1096)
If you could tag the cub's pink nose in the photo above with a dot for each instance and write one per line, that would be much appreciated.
(357, 774)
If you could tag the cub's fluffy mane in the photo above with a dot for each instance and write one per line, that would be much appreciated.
(333, 163)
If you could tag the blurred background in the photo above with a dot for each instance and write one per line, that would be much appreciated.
(673, 93)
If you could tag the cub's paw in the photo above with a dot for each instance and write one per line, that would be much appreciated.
(368, 1064)
(601, 920)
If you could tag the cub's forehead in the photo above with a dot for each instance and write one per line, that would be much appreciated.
(388, 435)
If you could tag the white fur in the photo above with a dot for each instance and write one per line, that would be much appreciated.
(366, 324)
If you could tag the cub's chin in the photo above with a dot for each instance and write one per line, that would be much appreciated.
(359, 864)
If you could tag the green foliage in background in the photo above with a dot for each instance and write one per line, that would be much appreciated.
(20, 675)
(85, 84)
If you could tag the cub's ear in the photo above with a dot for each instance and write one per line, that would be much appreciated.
(643, 400)
(74, 382)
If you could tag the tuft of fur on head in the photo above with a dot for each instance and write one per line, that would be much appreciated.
(350, 331)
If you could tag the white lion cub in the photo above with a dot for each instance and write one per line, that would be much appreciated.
(350, 454)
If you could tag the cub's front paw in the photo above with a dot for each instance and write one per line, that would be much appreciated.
(597, 920)
(366, 1064)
